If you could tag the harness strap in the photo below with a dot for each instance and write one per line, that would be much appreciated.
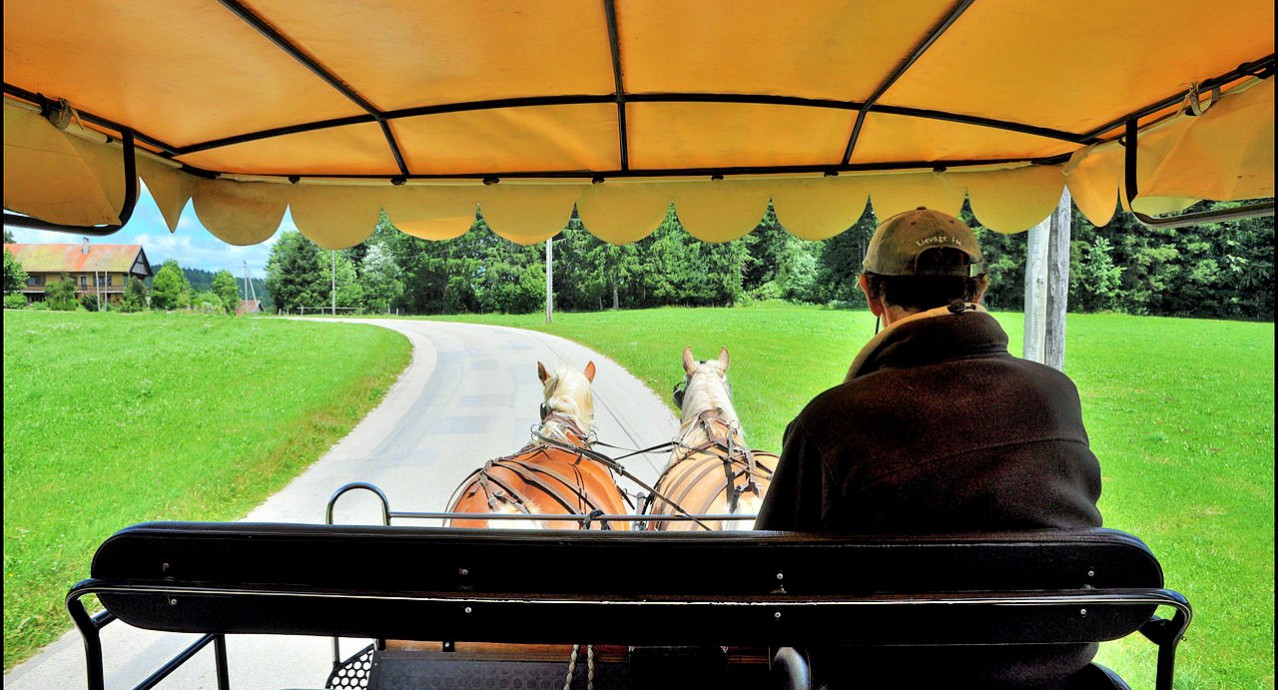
(688, 482)
(577, 487)
(620, 469)
(485, 476)
(565, 502)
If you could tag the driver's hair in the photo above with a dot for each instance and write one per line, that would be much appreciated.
(923, 292)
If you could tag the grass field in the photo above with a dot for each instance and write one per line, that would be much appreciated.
(113, 419)
(1180, 413)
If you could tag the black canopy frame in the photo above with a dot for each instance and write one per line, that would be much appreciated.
(1262, 67)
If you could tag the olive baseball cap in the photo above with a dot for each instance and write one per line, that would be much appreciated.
(900, 240)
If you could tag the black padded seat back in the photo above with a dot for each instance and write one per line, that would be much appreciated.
(626, 588)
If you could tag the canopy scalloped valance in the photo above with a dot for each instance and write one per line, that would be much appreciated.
(621, 108)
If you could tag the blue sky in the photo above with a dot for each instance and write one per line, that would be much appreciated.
(191, 245)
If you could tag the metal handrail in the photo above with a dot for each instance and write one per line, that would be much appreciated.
(90, 630)
(584, 518)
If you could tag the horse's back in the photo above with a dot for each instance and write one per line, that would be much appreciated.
(541, 479)
(704, 483)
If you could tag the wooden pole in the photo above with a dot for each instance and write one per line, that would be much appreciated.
(550, 289)
(1036, 290)
(1047, 286)
(1057, 284)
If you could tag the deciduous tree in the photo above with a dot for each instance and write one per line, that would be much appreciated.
(170, 289)
(15, 278)
(226, 289)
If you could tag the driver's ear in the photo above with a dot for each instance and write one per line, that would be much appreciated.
(876, 306)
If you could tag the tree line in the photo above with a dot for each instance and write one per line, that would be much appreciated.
(1222, 270)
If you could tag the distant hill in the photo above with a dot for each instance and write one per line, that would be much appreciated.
(201, 279)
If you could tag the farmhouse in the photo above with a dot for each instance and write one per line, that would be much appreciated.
(95, 268)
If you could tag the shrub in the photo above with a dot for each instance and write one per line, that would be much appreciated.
(15, 302)
(40, 306)
(134, 296)
(207, 302)
(60, 295)
(89, 302)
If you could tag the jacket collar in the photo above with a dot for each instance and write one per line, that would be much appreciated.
(929, 336)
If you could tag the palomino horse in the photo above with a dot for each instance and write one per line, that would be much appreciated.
(556, 473)
(711, 470)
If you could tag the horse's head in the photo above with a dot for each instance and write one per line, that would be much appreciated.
(567, 393)
(705, 387)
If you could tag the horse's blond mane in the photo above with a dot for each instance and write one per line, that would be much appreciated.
(707, 390)
(568, 393)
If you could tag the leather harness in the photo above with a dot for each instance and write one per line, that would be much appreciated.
(569, 492)
(723, 451)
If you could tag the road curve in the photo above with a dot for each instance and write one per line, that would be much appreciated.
(470, 393)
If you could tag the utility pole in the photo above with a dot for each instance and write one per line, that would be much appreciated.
(334, 282)
(550, 290)
(251, 287)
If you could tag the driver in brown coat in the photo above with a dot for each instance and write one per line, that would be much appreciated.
(938, 429)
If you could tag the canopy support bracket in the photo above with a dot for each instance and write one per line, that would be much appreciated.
(1130, 157)
(126, 210)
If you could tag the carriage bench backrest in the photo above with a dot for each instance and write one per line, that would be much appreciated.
(759, 588)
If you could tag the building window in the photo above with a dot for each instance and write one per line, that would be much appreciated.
(35, 280)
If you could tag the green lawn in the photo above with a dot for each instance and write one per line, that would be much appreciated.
(114, 419)
(1180, 412)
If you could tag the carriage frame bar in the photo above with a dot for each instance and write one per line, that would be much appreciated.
(762, 589)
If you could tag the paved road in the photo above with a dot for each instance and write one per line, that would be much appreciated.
(471, 393)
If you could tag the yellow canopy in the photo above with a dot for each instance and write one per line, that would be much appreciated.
(430, 108)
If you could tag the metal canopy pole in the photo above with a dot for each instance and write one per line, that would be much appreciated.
(932, 36)
(614, 45)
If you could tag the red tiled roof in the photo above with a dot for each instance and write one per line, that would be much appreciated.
(71, 258)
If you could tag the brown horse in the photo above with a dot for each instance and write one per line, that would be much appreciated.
(554, 474)
(712, 470)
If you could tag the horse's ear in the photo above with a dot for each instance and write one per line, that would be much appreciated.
(541, 372)
(590, 372)
(723, 357)
(689, 364)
